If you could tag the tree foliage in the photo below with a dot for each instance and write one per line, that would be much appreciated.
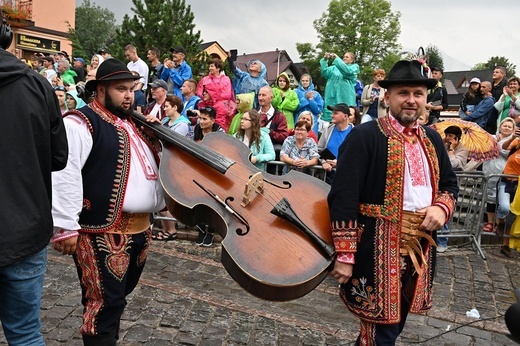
(162, 24)
(368, 28)
(434, 56)
(497, 61)
(95, 28)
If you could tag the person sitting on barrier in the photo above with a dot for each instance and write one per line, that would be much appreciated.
(299, 151)
(458, 155)
(496, 166)
(507, 187)
(256, 138)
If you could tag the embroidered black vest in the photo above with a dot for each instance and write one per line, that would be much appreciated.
(105, 173)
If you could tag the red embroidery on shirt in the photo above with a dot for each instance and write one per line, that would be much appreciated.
(414, 157)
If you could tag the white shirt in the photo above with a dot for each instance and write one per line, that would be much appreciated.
(140, 67)
(141, 196)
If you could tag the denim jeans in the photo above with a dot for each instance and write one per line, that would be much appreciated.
(443, 241)
(21, 286)
(504, 201)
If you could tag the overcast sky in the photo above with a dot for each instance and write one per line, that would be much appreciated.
(467, 32)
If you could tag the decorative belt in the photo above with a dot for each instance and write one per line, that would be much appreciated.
(132, 223)
(411, 238)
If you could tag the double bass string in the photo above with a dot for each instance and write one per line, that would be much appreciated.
(272, 197)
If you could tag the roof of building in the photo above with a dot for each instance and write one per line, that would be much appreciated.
(459, 80)
(205, 45)
(275, 61)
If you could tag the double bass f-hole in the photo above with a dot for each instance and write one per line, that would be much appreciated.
(228, 207)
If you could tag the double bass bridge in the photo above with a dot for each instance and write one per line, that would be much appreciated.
(256, 184)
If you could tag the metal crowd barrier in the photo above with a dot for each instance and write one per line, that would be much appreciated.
(316, 171)
(466, 221)
(493, 181)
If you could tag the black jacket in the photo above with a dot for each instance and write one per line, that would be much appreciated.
(438, 96)
(33, 143)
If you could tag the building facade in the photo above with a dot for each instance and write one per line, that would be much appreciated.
(39, 26)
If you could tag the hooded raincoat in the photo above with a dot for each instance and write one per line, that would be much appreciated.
(312, 104)
(221, 97)
(79, 102)
(244, 104)
(244, 82)
(286, 101)
(340, 88)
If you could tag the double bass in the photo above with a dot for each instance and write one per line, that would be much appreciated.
(275, 229)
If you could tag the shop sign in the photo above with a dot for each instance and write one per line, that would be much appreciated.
(37, 43)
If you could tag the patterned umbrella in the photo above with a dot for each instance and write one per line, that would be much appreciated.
(481, 145)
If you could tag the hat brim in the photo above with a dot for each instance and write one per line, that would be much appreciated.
(428, 82)
(91, 85)
(177, 51)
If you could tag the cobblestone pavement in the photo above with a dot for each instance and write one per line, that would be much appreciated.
(186, 297)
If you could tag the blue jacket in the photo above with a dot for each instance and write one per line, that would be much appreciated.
(191, 104)
(177, 75)
(481, 112)
(315, 106)
(244, 83)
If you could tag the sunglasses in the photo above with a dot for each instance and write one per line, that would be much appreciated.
(60, 88)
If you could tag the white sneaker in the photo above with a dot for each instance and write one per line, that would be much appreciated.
(441, 248)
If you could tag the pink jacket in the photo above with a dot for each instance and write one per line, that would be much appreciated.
(222, 97)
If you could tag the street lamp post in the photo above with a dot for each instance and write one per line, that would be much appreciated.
(278, 62)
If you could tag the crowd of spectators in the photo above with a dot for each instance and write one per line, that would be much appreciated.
(293, 124)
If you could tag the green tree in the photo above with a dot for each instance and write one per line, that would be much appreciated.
(497, 61)
(434, 56)
(95, 28)
(368, 28)
(162, 24)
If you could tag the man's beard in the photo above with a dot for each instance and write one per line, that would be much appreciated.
(407, 119)
(118, 111)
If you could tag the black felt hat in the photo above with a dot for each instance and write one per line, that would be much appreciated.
(111, 69)
(408, 72)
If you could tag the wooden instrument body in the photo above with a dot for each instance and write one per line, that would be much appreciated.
(274, 260)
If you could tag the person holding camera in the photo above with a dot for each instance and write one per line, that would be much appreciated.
(190, 100)
(341, 76)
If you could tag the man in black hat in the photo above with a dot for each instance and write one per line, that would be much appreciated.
(437, 100)
(176, 71)
(394, 188)
(103, 199)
